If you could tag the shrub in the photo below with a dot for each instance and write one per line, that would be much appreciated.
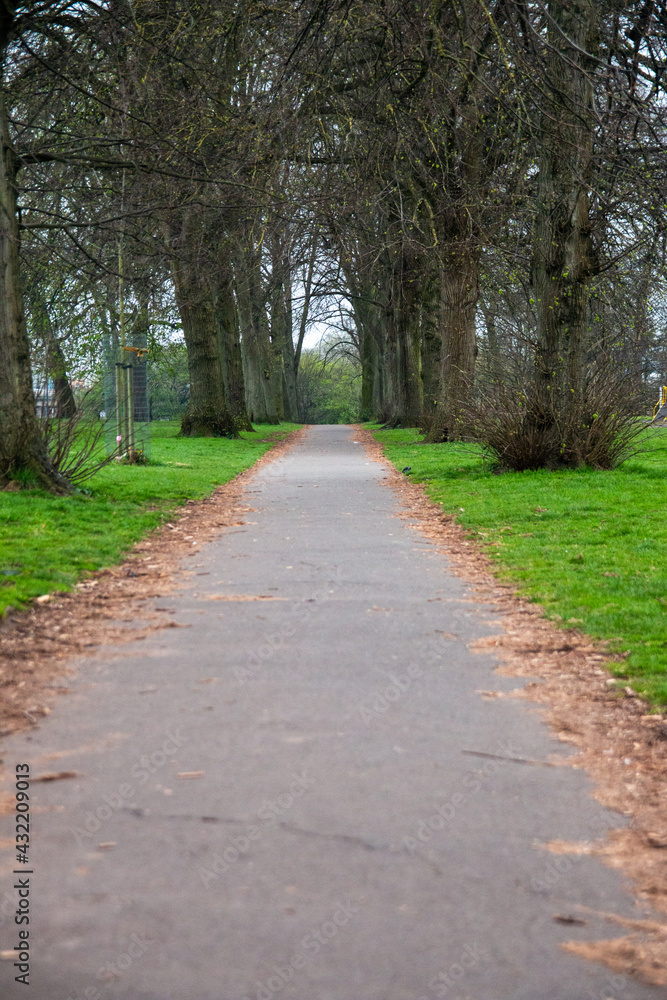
(74, 445)
(527, 426)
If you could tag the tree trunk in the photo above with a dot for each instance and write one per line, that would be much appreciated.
(403, 354)
(65, 404)
(207, 413)
(562, 251)
(409, 339)
(641, 320)
(230, 351)
(291, 401)
(22, 447)
(369, 370)
(368, 322)
(431, 348)
(391, 382)
(307, 293)
(494, 361)
(257, 354)
(459, 291)
(281, 328)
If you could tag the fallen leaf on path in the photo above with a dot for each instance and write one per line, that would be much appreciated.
(566, 919)
(579, 847)
(645, 959)
(650, 926)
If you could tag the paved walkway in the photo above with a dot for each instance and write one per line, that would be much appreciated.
(343, 842)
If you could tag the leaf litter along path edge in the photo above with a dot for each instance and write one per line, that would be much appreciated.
(620, 743)
(36, 643)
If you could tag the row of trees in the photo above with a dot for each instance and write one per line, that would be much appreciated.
(511, 158)
(477, 187)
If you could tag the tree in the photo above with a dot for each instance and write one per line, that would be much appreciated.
(563, 255)
(22, 448)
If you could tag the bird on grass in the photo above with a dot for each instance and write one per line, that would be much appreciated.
(408, 468)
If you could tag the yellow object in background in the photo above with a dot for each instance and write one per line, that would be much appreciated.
(662, 401)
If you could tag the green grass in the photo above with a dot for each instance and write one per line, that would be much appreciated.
(47, 542)
(589, 546)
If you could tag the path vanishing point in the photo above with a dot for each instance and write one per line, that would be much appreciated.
(294, 791)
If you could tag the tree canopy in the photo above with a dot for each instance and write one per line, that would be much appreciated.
(469, 197)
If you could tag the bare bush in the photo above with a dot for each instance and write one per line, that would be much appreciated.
(75, 446)
(526, 427)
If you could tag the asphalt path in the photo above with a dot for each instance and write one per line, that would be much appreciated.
(293, 789)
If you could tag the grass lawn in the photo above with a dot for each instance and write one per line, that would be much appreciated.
(48, 542)
(590, 547)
